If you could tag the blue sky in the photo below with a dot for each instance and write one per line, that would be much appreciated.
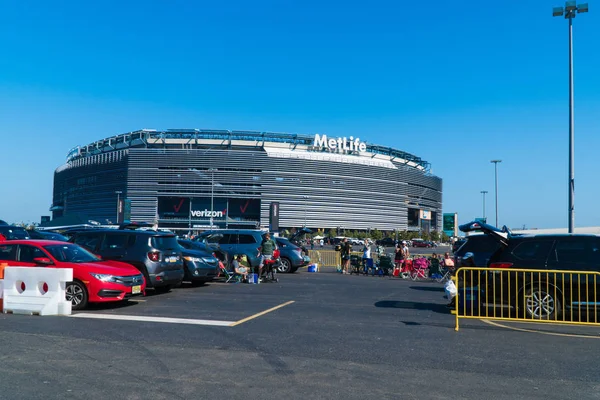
(456, 83)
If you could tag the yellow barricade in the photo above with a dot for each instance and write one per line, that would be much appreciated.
(332, 258)
(528, 295)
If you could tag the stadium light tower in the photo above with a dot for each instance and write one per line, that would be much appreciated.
(570, 11)
(484, 192)
(496, 185)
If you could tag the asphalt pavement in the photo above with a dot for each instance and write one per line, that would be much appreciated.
(333, 337)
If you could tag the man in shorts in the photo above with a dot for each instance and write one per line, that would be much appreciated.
(265, 251)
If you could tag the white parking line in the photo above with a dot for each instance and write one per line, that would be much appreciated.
(155, 319)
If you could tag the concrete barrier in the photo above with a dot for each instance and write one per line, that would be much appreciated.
(32, 290)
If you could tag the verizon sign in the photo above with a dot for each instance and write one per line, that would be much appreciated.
(339, 144)
(207, 213)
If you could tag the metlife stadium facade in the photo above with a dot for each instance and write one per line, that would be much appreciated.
(184, 178)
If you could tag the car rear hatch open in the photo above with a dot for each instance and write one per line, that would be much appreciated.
(501, 236)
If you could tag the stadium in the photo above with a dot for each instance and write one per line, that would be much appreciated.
(192, 179)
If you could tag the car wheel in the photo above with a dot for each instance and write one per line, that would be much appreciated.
(539, 304)
(285, 266)
(77, 294)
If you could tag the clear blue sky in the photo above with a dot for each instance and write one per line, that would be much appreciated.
(457, 83)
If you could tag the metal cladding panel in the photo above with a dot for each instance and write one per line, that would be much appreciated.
(318, 193)
(338, 194)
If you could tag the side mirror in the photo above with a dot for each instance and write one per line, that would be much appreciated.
(43, 261)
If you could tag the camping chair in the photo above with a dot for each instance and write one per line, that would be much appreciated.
(230, 276)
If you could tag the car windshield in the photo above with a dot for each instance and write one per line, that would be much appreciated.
(71, 253)
(165, 243)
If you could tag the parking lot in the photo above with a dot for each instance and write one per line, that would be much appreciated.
(312, 335)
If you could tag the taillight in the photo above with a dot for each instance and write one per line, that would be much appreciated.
(154, 256)
(501, 265)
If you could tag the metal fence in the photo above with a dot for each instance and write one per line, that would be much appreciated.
(332, 258)
(530, 295)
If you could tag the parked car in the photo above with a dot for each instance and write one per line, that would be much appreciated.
(543, 295)
(157, 255)
(11, 232)
(386, 242)
(43, 235)
(94, 280)
(291, 256)
(295, 239)
(234, 242)
(200, 264)
(420, 243)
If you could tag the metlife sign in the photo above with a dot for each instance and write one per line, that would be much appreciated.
(339, 144)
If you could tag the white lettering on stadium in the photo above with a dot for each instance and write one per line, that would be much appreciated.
(207, 213)
(340, 143)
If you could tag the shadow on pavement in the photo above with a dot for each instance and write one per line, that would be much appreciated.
(427, 288)
(413, 305)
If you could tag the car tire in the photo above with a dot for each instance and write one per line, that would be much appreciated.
(539, 304)
(285, 266)
(77, 294)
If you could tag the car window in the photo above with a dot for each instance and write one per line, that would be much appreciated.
(8, 252)
(577, 251)
(117, 241)
(246, 239)
(28, 253)
(70, 253)
(532, 250)
(89, 241)
(184, 244)
(164, 242)
(479, 243)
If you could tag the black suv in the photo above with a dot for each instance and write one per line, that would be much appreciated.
(544, 295)
(157, 255)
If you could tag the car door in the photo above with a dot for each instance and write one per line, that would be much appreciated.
(8, 253)
(578, 253)
(26, 254)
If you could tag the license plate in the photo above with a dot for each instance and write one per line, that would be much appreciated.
(172, 259)
(136, 289)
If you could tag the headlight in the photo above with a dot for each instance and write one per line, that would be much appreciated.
(192, 259)
(103, 277)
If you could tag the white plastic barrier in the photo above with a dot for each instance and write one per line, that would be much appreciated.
(31, 290)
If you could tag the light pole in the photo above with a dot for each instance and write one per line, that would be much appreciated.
(496, 184)
(305, 199)
(484, 192)
(118, 192)
(570, 12)
(212, 194)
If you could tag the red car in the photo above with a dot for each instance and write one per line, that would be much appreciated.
(94, 280)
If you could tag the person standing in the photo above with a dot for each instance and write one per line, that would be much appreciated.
(405, 249)
(321, 243)
(265, 251)
(345, 252)
(366, 254)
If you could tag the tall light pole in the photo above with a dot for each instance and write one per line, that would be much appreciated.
(570, 10)
(496, 184)
(484, 192)
(118, 192)
(212, 194)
